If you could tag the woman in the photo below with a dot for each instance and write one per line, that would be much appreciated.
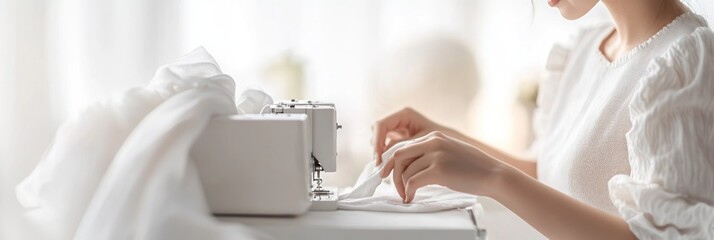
(623, 134)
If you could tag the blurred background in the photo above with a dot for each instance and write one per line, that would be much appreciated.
(469, 64)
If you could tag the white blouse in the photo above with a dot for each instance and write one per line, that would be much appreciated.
(634, 136)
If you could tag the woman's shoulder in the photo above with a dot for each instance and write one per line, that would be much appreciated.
(684, 72)
(690, 48)
(690, 34)
(697, 45)
(690, 58)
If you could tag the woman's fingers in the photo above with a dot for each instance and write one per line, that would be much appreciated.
(416, 148)
(379, 134)
(416, 166)
(381, 129)
(411, 159)
(401, 119)
(397, 175)
(411, 150)
(416, 181)
(396, 136)
(404, 157)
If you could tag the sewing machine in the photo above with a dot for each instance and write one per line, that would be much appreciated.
(269, 163)
(256, 166)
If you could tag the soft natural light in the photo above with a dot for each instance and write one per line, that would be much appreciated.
(351, 53)
(333, 51)
(472, 65)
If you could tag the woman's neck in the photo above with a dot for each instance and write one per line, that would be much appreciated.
(636, 21)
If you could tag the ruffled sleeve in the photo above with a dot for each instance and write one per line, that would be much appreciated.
(670, 191)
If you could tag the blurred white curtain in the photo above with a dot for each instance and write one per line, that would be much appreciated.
(335, 46)
(24, 101)
(60, 55)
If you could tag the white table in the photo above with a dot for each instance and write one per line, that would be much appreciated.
(359, 225)
(501, 223)
(498, 221)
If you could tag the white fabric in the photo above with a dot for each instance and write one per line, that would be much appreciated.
(253, 101)
(121, 170)
(372, 193)
(634, 136)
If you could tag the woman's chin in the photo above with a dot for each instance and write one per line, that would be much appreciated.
(570, 16)
(570, 13)
(573, 10)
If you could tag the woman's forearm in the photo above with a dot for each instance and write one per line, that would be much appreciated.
(554, 214)
(528, 167)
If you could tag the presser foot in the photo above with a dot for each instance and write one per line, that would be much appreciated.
(324, 199)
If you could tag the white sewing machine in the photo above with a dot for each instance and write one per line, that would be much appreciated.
(256, 166)
(269, 164)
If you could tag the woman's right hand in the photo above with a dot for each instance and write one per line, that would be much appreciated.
(402, 125)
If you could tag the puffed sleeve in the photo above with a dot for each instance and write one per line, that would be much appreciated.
(669, 193)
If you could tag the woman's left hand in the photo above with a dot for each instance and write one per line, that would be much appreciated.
(439, 159)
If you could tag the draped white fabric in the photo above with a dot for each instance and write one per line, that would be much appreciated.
(121, 169)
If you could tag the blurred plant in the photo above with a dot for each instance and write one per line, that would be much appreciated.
(528, 90)
(284, 77)
(528, 93)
